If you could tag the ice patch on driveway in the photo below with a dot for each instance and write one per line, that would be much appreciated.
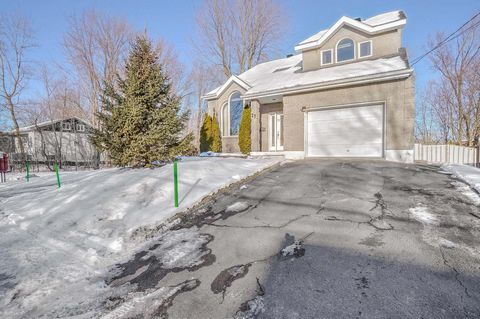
(180, 249)
(422, 214)
(151, 304)
(237, 207)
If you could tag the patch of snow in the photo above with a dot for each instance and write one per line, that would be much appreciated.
(467, 192)
(383, 18)
(291, 250)
(471, 176)
(243, 187)
(57, 244)
(255, 307)
(237, 207)
(180, 248)
(422, 214)
(146, 304)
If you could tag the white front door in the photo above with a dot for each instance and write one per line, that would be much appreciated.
(275, 132)
(346, 132)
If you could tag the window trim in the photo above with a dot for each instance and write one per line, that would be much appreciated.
(321, 57)
(228, 114)
(360, 52)
(354, 50)
(225, 108)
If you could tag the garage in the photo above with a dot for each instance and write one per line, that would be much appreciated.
(354, 131)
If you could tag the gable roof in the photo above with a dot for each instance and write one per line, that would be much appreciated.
(376, 24)
(219, 90)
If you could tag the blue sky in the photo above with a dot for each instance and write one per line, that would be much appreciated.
(174, 21)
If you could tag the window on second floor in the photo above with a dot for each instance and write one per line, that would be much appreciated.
(365, 49)
(66, 126)
(326, 57)
(80, 128)
(345, 50)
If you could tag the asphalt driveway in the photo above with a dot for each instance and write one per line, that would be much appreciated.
(328, 239)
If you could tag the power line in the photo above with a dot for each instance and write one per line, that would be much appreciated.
(450, 37)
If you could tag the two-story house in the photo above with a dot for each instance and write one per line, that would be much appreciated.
(65, 140)
(348, 92)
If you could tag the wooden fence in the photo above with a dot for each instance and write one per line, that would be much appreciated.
(450, 154)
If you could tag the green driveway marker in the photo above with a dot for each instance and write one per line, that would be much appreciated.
(58, 175)
(175, 182)
(28, 171)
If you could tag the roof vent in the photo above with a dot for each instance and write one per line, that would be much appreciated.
(358, 19)
(289, 55)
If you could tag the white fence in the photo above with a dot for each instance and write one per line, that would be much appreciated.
(451, 154)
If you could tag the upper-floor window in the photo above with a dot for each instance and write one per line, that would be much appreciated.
(66, 126)
(365, 49)
(232, 115)
(345, 50)
(327, 57)
(80, 128)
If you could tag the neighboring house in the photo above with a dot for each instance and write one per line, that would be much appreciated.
(65, 141)
(349, 92)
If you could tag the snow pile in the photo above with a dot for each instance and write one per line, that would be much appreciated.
(422, 214)
(56, 244)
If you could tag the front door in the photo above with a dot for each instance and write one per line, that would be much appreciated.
(275, 132)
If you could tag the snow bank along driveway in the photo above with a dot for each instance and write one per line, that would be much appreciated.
(57, 246)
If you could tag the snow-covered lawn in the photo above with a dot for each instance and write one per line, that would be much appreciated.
(469, 175)
(56, 245)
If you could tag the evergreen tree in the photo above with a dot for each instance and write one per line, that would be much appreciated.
(216, 137)
(142, 122)
(244, 138)
(205, 134)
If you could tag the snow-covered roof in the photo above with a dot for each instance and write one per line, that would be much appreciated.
(47, 123)
(379, 23)
(282, 75)
(286, 74)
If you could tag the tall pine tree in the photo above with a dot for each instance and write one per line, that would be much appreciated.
(143, 122)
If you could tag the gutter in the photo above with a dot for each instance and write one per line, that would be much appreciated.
(379, 77)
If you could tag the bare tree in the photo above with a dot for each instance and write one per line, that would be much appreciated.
(454, 97)
(235, 35)
(16, 38)
(96, 45)
(202, 79)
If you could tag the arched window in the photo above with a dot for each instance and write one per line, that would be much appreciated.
(345, 50)
(235, 109)
(231, 115)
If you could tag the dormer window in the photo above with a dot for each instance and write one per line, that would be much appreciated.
(365, 49)
(345, 50)
(326, 57)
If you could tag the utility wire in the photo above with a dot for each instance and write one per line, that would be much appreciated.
(452, 36)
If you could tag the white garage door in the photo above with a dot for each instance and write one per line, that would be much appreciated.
(346, 132)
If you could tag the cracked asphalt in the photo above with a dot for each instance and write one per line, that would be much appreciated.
(334, 239)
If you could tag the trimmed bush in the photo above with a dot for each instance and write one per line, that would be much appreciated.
(216, 145)
(244, 135)
(205, 134)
